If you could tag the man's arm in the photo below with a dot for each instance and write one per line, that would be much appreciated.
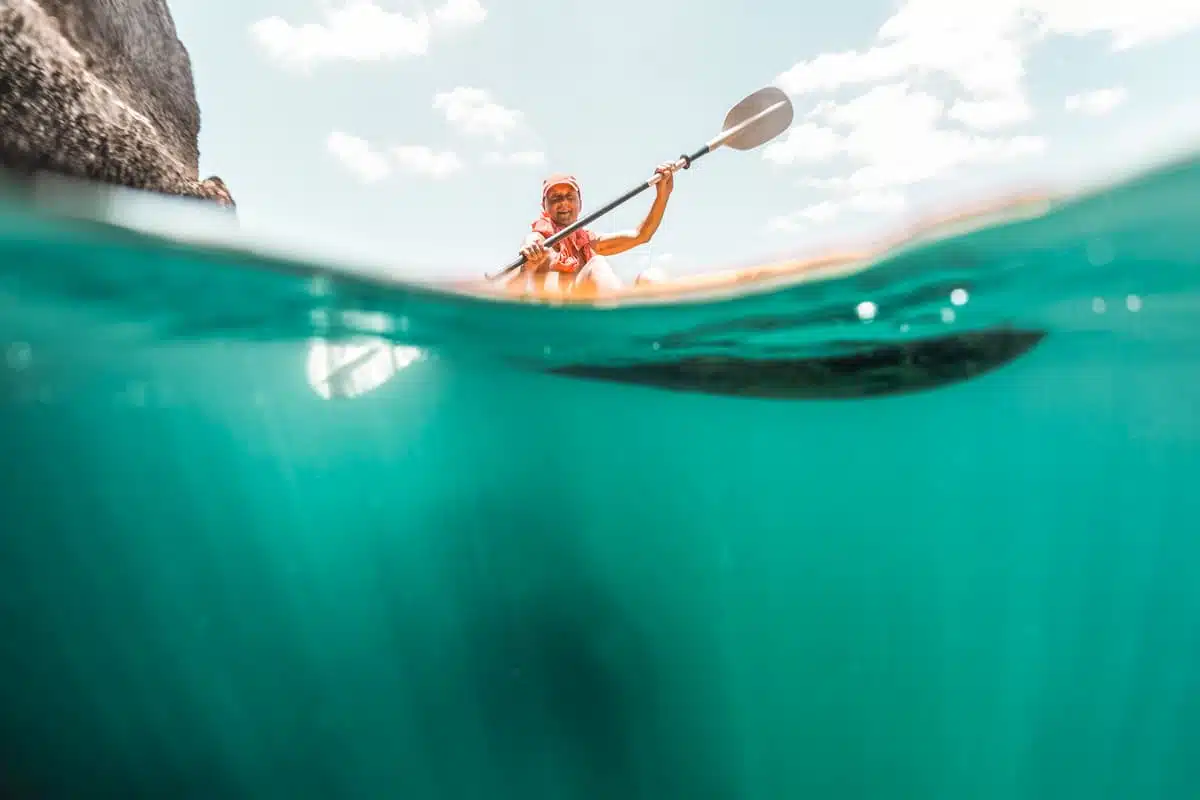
(613, 243)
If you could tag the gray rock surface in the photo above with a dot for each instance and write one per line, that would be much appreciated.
(100, 90)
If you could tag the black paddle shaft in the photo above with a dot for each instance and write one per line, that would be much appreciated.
(684, 162)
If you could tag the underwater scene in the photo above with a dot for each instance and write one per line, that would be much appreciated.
(921, 527)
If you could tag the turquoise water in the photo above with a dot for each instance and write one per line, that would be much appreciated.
(947, 550)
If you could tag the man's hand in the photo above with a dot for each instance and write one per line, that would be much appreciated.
(667, 182)
(536, 256)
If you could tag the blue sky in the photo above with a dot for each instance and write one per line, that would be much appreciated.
(419, 133)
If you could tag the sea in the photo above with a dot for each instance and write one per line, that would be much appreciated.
(926, 528)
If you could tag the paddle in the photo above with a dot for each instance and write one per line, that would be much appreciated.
(756, 120)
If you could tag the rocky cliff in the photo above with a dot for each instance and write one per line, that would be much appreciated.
(101, 90)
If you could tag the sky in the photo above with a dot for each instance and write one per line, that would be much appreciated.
(418, 134)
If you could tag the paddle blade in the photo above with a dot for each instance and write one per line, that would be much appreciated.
(761, 130)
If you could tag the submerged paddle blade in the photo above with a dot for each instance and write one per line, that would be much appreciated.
(762, 130)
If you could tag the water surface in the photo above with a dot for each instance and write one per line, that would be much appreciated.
(924, 530)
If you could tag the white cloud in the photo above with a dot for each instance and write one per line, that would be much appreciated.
(1130, 24)
(894, 103)
(521, 158)
(894, 136)
(371, 165)
(821, 212)
(983, 46)
(824, 211)
(824, 183)
(1097, 102)
(470, 111)
(805, 142)
(990, 114)
(473, 112)
(895, 133)
(967, 42)
(356, 154)
(877, 202)
(360, 30)
(460, 12)
(898, 137)
(868, 202)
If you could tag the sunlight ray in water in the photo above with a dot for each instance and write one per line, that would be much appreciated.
(349, 370)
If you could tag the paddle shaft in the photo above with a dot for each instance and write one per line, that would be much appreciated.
(683, 162)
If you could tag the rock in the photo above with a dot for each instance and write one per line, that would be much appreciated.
(101, 90)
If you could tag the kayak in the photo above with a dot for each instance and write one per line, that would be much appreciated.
(520, 286)
(765, 275)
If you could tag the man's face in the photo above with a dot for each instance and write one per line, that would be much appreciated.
(562, 203)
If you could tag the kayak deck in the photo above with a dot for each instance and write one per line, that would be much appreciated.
(738, 280)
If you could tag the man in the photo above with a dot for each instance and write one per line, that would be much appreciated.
(581, 257)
